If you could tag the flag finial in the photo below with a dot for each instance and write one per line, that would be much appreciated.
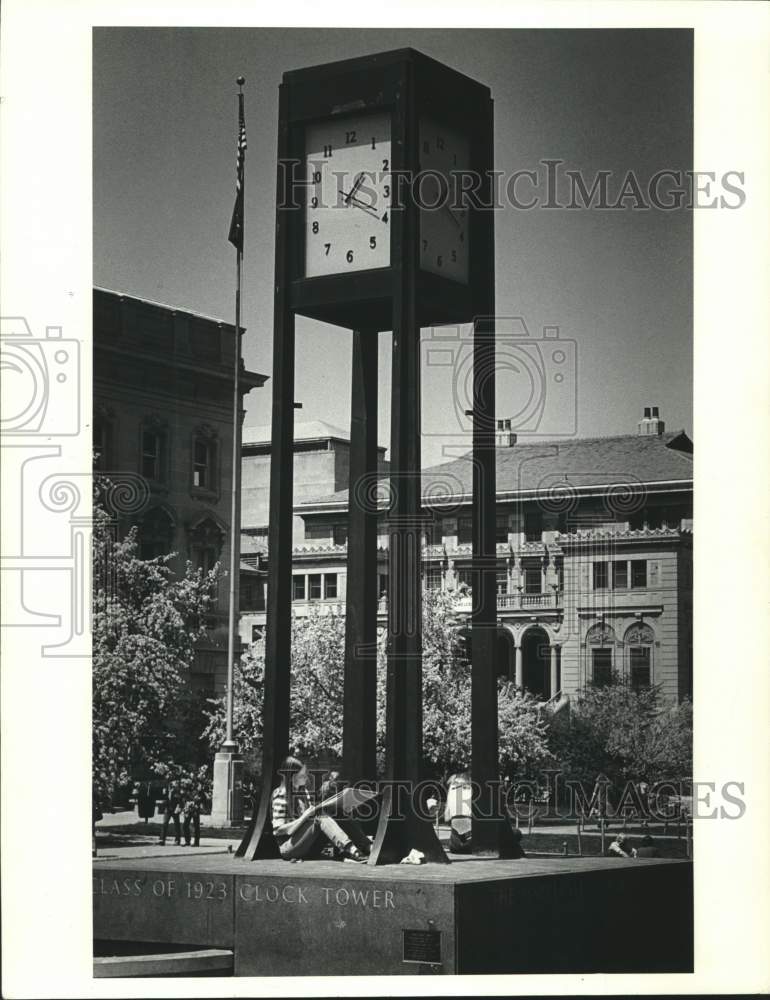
(241, 80)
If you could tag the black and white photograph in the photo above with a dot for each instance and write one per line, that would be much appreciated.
(360, 525)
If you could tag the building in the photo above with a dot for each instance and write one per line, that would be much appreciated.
(163, 398)
(594, 557)
(321, 467)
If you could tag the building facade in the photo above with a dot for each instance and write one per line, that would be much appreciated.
(594, 558)
(163, 398)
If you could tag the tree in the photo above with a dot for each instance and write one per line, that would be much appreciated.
(625, 734)
(317, 672)
(145, 624)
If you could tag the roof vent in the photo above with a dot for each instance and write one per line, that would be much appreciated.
(651, 424)
(504, 436)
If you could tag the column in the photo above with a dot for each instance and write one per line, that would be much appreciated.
(359, 721)
(554, 670)
(519, 667)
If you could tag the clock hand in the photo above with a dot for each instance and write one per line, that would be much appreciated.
(356, 186)
(357, 203)
(452, 215)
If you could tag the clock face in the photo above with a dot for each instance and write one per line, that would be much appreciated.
(444, 246)
(347, 209)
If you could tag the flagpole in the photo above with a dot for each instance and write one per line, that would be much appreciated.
(235, 541)
(227, 798)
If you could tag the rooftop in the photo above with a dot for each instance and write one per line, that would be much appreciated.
(310, 430)
(564, 466)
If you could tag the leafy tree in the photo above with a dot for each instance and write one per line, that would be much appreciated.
(625, 734)
(317, 670)
(145, 624)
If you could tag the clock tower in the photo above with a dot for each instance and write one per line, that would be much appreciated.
(384, 223)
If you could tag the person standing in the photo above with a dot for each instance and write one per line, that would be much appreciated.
(172, 803)
(193, 799)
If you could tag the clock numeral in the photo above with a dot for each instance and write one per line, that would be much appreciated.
(327, 152)
(386, 164)
(424, 245)
(439, 143)
(386, 190)
(454, 256)
(316, 176)
(372, 242)
(350, 137)
(315, 228)
(327, 248)
(314, 202)
(385, 217)
(349, 256)
(440, 260)
(374, 142)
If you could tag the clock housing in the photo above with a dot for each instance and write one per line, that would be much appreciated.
(401, 99)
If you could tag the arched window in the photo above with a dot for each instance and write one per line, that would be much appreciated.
(156, 534)
(639, 640)
(600, 640)
(206, 540)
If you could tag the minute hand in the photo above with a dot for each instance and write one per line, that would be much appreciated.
(351, 199)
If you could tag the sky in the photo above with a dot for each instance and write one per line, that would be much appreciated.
(617, 284)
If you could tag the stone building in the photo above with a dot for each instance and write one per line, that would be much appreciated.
(163, 397)
(594, 557)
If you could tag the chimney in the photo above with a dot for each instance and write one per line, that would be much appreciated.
(504, 437)
(651, 424)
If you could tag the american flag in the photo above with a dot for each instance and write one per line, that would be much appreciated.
(236, 223)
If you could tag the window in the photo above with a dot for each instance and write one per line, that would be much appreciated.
(501, 529)
(600, 576)
(620, 575)
(248, 596)
(639, 573)
(465, 576)
(340, 534)
(256, 633)
(464, 530)
(433, 577)
(330, 585)
(434, 533)
(206, 545)
(533, 580)
(533, 525)
(156, 534)
(298, 588)
(102, 444)
(383, 586)
(203, 464)
(602, 666)
(501, 581)
(314, 587)
(640, 667)
(315, 530)
(152, 455)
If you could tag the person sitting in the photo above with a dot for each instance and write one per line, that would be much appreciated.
(619, 848)
(300, 829)
(647, 848)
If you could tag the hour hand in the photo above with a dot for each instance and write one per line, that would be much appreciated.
(350, 199)
(356, 186)
(452, 215)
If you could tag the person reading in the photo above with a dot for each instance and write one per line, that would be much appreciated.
(300, 828)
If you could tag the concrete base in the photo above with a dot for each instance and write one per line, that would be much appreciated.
(227, 797)
(473, 916)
